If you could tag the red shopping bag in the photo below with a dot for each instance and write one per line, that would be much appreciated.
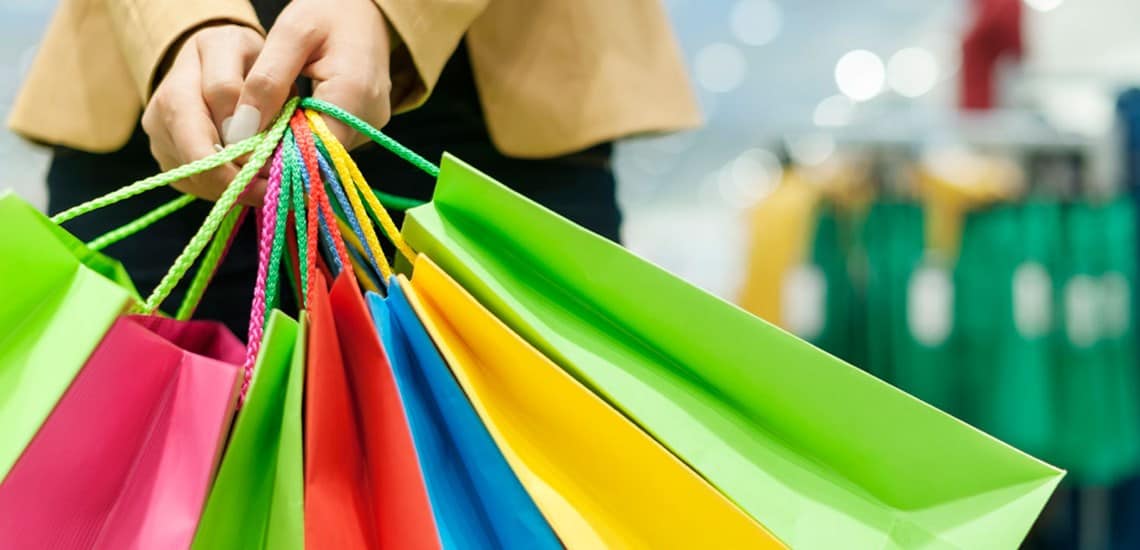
(363, 485)
(127, 456)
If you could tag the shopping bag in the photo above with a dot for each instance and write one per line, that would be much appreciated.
(363, 483)
(59, 300)
(127, 456)
(257, 500)
(477, 500)
(601, 481)
(821, 453)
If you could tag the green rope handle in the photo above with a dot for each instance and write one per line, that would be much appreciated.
(372, 133)
(229, 154)
(297, 192)
(209, 265)
(280, 229)
(146, 220)
(262, 149)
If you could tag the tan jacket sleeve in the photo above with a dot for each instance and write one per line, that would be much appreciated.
(429, 31)
(146, 29)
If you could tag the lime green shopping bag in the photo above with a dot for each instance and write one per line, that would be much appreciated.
(257, 499)
(821, 453)
(44, 271)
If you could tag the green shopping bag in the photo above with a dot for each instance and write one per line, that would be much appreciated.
(822, 454)
(44, 272)
(1097, 400)
(257, 499)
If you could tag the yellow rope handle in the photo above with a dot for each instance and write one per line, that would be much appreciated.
(354, 183)
(341, 161)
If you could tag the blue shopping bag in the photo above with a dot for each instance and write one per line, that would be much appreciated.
(475, 497)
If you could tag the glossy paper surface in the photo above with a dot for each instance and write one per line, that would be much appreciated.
(256, 501)
(601, 481)
(363, 484)
(821, 453)
(126, 458)
(58, 303)
(477, 500)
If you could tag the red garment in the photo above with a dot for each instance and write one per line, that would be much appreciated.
(995, 32)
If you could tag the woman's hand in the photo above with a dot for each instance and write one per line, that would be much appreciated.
(193, 100)
(342, 46)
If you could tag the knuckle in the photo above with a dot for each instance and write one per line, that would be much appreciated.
(301, 30)
(222, 90)
(262, 84)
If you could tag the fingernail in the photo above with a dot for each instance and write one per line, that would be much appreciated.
(225, 127)
(218, 147)
(245, 122)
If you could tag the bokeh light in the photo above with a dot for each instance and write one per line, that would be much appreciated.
(860, 75)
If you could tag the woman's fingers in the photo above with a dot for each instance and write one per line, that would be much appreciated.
(287, 49)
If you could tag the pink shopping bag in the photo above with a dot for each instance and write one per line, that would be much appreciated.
(126, 457)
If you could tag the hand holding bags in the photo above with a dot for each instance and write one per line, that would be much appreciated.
(822, 453)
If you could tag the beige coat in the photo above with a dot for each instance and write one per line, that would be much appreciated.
(554, 76)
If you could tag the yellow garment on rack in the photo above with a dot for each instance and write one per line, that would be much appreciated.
(783, 227)
(952, 186)
(598, 479)
(781, 230)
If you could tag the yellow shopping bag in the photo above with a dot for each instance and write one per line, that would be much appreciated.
(599, 480)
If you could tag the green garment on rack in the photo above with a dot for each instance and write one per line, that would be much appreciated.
(909, 304)
(879, 291)
(1097, 434)
(840, 332)
(1005, 330)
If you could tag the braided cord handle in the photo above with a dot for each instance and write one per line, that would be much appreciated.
(355, 231)
(259, 156)
(320, 199)
(293, 158)
(218, 249)
(346, 178)
(146, 220)
(229, 154)
(372, 133)
(300, 220)
(270, 227)
(354, 179)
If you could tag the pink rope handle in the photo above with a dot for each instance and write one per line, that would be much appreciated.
(264, 247)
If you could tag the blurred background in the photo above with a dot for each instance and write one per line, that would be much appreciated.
(941, 192)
